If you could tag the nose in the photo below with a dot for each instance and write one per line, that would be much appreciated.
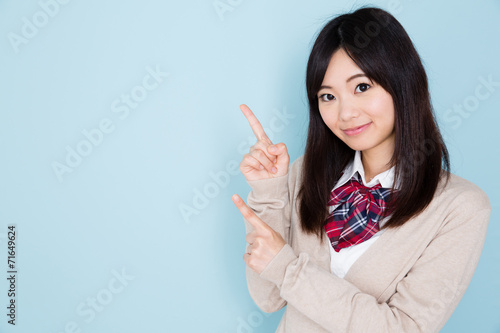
(348, 109)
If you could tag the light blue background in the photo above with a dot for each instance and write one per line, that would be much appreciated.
(121, 207)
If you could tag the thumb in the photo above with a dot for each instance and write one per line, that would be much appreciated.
(282, 158)
(278, 149)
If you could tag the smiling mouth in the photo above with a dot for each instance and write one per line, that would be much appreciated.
(356, 130)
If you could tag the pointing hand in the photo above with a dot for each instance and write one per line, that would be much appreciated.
(265, 159)
(264, 242)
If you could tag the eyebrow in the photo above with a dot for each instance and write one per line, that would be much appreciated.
(347, 81)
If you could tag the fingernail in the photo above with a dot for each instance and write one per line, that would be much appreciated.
(274, 170)
(272, 148)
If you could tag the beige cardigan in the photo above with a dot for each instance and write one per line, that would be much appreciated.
(410, 280)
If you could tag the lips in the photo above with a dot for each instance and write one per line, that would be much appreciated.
(356, 130)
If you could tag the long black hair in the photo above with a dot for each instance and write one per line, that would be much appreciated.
(382, 49)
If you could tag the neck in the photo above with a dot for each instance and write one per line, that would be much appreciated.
(375, 163)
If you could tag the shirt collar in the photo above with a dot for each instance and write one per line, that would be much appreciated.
(386, 178)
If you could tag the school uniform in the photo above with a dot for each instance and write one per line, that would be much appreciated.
(408, 279)
(342, 260)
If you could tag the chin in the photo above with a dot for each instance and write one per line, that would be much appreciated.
(359, 147)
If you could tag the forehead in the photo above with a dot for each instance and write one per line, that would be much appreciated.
(340, 68)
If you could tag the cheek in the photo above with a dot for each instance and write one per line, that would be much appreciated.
(383, 109)
(329, 118)
(379, 106)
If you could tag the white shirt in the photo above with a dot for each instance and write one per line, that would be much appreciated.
(341, 261)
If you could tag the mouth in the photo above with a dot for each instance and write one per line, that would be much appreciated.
(356, 130)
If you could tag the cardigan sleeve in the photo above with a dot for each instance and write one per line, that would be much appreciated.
(270, 200)
(424, 299)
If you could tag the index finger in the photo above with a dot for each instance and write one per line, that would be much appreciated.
(248, 214)
(254, 123)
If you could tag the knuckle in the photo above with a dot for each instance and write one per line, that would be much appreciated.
(260, 145)
(247, 159)
(259, 153)
(254, 153)
(266, 233)
(259, 241)
(256, 145)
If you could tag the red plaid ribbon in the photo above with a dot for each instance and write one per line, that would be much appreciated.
(357, 216)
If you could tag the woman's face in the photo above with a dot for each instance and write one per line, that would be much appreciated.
(358, 111)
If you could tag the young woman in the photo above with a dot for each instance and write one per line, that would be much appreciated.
(368, 231)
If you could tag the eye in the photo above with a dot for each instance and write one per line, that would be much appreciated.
(362, 87)
(326, 97)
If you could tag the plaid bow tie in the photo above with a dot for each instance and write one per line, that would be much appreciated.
(359, 211)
